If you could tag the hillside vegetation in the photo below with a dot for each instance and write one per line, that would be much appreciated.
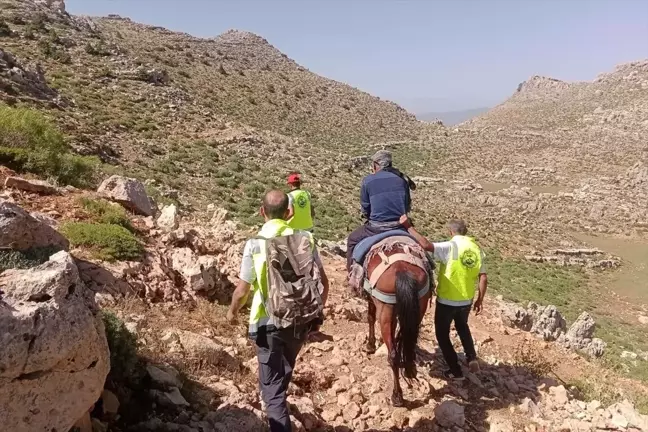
(219, 121)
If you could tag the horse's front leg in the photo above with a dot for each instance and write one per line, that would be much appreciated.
(388, 329)
(371, 318)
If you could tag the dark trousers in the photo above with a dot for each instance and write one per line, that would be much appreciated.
(362, 232)
(277, 352)
(444, 315)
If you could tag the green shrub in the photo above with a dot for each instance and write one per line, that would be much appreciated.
(29, 142)
(104, 212)
(106, 241)
(13, 259)
(125, 366)
(4, 29)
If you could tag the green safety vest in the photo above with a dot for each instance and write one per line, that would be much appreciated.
(302, 218)
(458, 277)
(258, 315)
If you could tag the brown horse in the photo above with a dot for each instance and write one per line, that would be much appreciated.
(404, 281)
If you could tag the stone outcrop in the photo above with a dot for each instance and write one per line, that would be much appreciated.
(54, 358)
(20, 231)
(168, 220)
(547, 321)
(35, 186)
(580, 336)
(128, 192)
(22, 83)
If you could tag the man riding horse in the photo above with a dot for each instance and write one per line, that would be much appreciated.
(390, 269)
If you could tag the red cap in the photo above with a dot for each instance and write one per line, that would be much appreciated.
(294, 178)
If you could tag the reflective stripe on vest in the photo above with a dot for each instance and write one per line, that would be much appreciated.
(458, 277)
(301, 203)
(258, 315)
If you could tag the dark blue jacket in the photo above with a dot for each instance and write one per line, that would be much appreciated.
(384, 197)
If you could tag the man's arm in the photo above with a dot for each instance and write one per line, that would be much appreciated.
(310, 197)
(323, 276)
(325, 284)
(239, 298)
(246, 278)
(291, 209)
(365, 202)
(483, 285)
(420, 239)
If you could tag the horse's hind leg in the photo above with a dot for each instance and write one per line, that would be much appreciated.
(371, 318)
(388, 329)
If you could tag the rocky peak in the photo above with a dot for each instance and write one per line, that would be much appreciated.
(237, 42)
(55, 5)
(541, 83)
(241, 37)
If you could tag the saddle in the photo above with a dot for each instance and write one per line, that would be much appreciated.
(380, 245)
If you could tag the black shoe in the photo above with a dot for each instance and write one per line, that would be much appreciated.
(450, 376)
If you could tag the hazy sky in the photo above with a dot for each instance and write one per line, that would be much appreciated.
(428, 55)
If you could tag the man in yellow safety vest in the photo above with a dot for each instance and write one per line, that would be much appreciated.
(462, 268)
(277, 346)
(301, 211)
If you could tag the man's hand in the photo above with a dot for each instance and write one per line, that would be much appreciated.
(232, 317)
(478, 306)
(405, 221)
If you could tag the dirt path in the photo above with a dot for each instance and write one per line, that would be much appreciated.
(507, 392)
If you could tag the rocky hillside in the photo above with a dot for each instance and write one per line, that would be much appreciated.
(578, 128)
(216, 119)
(177, 365)
(196, 130)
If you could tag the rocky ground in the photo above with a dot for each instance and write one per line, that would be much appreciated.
(539, 179)
(178, 366)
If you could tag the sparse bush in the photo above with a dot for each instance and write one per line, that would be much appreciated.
(4, 29)
(96, 49)
(271, 88)
(526, 356)
(29, 142)
(105, 212)
(54, 53)
(12, 259)
(222, 70)
(105, 241)
(125, 366)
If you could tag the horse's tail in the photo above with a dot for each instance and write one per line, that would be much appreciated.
(407, 311)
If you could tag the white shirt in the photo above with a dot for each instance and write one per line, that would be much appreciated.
(443, 252)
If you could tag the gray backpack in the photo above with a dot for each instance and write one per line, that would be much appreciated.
(294, 283)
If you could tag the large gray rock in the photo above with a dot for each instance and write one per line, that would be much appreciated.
(449, 414)
(201, 273)
(36, 186)
(582, 328)
(20, 231)
(547, 321)
(129, 192)
(580, 337)
(168, 219)
(54, 357)
(514, 316)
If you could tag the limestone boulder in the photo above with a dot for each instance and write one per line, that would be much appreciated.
(21, 231)
(35, 186)
(54, 357)
(201, 274)
(450, 414)
(128, 192)
(168, 219)
(548, 322)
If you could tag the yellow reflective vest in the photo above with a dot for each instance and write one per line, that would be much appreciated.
(302, 218)
(458, 276)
